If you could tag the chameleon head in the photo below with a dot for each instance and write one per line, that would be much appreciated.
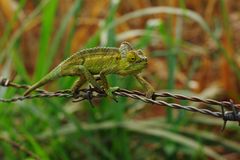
(132, 61)
(136, 60)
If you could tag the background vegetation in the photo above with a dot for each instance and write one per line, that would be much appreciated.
(193, 49)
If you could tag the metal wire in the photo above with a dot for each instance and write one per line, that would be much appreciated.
(92, 93)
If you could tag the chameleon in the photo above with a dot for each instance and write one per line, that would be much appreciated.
(100, 61)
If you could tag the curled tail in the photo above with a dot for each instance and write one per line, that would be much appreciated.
(54, 74)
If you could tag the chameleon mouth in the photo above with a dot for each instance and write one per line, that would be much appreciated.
(144, 63)
(141, 62)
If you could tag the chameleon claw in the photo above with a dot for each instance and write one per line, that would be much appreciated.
(153, 96)
(150, 94)
(110, 92)
(115, 99)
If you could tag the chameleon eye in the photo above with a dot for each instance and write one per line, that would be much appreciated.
(131, 57)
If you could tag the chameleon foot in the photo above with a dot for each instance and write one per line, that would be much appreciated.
(150, 94)
(110, 91)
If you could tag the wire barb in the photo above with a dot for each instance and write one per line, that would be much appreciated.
(88, 95)
(233, 115)
(93, 93)
(4, 82)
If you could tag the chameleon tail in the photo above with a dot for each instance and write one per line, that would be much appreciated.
(54, 74)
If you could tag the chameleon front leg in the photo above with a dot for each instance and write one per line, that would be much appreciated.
(147, 86)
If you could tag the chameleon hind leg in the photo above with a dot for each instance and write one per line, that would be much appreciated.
(89, 77)
(78, 84)
(75, 90)
(80, 70)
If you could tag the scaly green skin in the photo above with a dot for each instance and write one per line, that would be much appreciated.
(100, 61)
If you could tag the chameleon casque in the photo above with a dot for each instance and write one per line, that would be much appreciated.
(100, 61)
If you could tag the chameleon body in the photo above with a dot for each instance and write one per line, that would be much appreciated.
(100, 61)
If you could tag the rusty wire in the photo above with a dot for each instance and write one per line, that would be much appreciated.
(84, 94)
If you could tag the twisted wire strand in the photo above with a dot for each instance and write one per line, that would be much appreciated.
(183, 97)
(171, 105)
(125, 93)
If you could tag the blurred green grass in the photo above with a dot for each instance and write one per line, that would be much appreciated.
(59, 129)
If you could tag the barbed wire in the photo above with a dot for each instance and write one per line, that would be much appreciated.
(92, 93)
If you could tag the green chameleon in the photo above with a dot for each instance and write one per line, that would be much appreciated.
(100, 61)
